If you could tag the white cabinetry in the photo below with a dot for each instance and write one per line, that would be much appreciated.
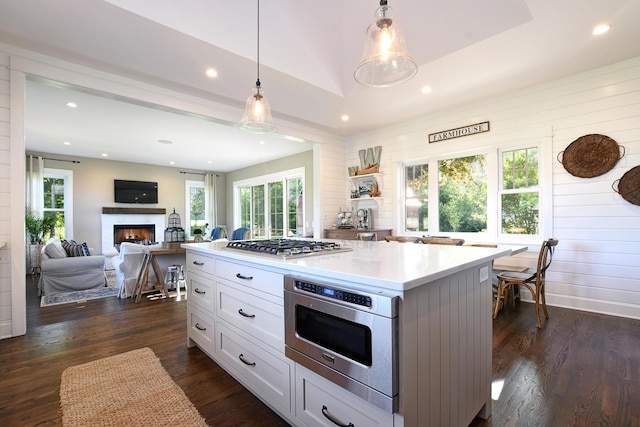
(319, 401)
(236, 316)
(201, 302)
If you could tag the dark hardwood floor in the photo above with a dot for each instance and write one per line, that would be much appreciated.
(581, 369)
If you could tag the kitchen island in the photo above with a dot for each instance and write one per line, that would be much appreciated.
(236, 311)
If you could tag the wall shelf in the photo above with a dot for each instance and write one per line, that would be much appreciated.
(354, 181)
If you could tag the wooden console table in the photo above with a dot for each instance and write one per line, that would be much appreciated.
(351, 233)
(150, 260)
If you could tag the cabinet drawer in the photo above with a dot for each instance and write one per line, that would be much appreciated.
(267, 374)
(201, 329)
(317, 396)
(201, 263)
(255, 278)
(255, 316)
(201, 291)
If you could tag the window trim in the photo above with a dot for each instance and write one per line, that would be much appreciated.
(188, 185)
(264, 180)
(67, 176)
(493, 166)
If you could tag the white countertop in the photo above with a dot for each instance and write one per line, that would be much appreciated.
(388, 265)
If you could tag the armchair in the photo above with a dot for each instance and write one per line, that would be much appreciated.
(241, 233)
(127, 265)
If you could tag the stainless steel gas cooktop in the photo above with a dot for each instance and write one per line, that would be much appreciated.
(288, 248)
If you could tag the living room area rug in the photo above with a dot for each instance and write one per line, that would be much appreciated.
(84, 295)
(128, 389)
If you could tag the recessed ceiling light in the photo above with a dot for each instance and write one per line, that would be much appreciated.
(165, 141)
(345, 118)
(104, 155)
(71, 104)
(66, 143)
(426, 89)
(261, 142)
(209, 161)
(600, 29)
(212, 72)
(172, 162)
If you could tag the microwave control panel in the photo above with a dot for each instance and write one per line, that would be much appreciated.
(337, 294)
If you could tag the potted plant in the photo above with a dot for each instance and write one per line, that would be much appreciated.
(37, 229)
(197, 235)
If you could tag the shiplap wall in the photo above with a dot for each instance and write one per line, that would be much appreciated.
(5, 193)
(597, 263)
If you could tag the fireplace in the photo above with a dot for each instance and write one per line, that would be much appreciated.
(135, 233)
(130, 217)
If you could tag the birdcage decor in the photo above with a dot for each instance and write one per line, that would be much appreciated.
(174, 232)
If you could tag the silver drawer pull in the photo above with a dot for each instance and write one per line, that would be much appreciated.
(200, 328)
(240, 276)
(198, 263)
(198, 291)
(242, 313)
(334, 420)
(241, 357)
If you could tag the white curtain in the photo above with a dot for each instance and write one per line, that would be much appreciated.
(210, 197)
(34, 184)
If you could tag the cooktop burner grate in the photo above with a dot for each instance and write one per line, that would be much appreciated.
(287, 247)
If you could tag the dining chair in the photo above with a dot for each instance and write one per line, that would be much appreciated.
(366, 236)
(440, 241)
(532, 280)
(401, 239)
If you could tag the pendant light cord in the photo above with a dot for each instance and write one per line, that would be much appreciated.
(258, 59)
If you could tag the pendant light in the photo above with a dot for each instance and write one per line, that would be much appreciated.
(386, 60)
(257, 113)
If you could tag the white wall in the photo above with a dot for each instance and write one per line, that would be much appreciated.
(12, 265)
(597, 263)
(5, 198)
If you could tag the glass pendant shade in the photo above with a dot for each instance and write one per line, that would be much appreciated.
(386, 60)
(257, 113)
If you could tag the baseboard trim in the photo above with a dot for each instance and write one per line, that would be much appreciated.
(610, 308)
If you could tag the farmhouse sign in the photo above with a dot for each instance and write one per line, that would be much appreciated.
(458, 132)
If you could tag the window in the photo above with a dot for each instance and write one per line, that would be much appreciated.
(196, 207)
(416, 198)
(459, 199)
(462, 194)
(271, 206)
(456, 194)
(58, 201)
(519, 191)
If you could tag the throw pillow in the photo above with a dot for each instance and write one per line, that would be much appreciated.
(85, 248)
(55, 250)
(72, 248)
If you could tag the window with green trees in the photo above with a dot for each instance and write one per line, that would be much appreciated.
(520, 191)
(272, 206)
(461, 195)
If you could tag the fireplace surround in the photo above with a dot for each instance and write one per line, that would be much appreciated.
(124, 217)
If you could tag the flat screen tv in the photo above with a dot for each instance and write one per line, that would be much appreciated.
(135, 191)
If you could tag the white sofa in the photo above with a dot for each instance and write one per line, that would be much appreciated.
(62, 273)
(127, 265)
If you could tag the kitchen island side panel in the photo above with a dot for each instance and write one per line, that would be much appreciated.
(452, 330)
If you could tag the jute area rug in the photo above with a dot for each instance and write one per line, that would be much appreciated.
(128, 389)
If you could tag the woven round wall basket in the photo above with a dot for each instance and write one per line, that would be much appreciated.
(591, 155)
(629, 186)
